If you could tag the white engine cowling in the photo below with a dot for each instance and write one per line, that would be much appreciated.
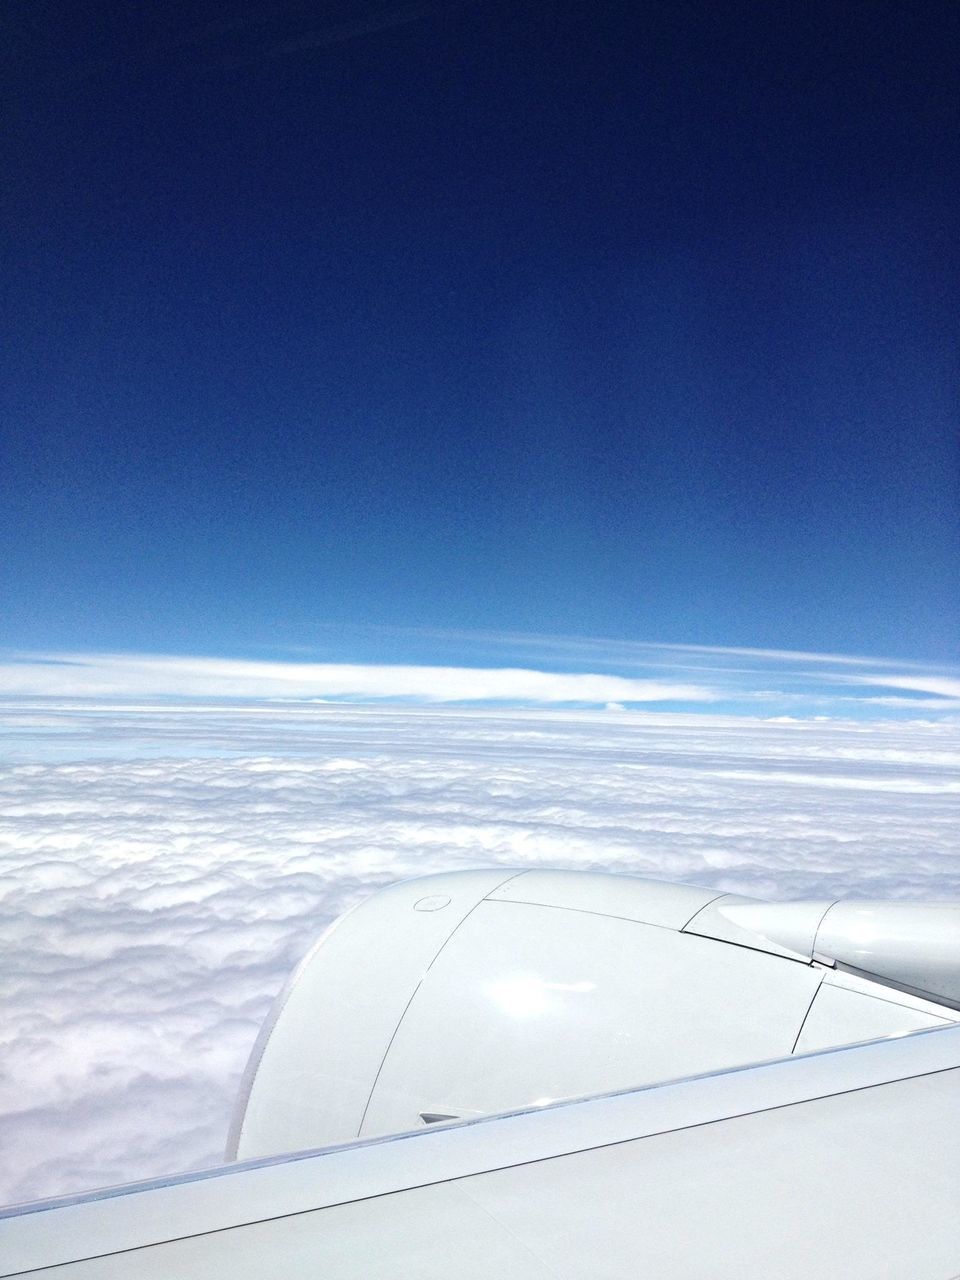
(473, 992)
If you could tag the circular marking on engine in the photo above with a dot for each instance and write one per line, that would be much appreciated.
(435, 903)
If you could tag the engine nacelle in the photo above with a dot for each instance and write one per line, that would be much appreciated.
(474, 992)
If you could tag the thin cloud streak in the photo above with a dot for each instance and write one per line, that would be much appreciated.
(641, 649)
(128, 675)
(944, 686)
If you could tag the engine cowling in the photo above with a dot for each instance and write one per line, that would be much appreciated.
(473, 992)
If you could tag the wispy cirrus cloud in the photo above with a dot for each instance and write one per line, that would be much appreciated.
(481, 668)
(145, 675)
(604, 649)
(938, 685)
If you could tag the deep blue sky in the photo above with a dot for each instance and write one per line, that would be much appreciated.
(602, 319)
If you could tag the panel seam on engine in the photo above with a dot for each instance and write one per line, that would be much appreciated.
(413, 994)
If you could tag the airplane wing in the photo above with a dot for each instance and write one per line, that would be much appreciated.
(733, 1125)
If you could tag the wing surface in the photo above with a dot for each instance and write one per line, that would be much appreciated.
(842, 1162)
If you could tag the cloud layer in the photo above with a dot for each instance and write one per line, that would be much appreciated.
(164, 868)
(516, 671)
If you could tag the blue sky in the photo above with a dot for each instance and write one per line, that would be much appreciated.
(338, 332)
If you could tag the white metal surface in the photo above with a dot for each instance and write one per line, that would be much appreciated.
(848, 981)
(627, 897)
(718, 920)
(310, 1077)
(843, 1163)
(792, 925)
(805, 1191)
(528, 1004)
(428, 1233)
(838, 1014)
(913, 944)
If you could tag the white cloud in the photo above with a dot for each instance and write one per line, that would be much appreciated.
(163, 869)
(136, 675)
(943, 686)
(637, 652)
(607, 673)
(775, 655)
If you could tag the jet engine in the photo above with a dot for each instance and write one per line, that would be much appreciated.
(473, 992)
